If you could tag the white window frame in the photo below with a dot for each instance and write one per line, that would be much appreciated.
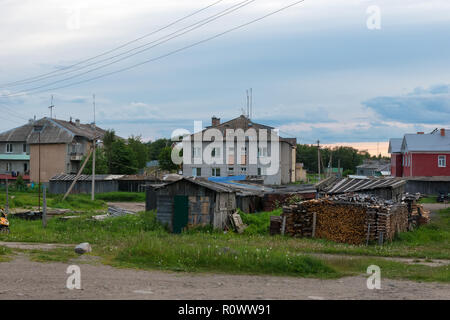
(243, 169)
(197, 152)
(214, 172)
(8, 166)
(196, 172)
(442, 161)
(215, 152)
(262, 151)
(9, 148)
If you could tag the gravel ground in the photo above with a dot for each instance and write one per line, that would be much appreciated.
(33, 280)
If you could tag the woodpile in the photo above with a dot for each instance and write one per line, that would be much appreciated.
(417, 215)
(353, 219)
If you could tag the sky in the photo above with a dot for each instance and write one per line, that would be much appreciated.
(326, 70)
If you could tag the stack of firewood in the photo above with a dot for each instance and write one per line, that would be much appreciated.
(352, 219)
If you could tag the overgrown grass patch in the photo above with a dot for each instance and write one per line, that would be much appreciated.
(55, 255)
(185, 256)
(121, 196)
(73, 201)
(258, 223)
(4, 254)
(392, 269)
(432, 199)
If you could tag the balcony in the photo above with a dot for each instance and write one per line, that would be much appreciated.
(74, 156)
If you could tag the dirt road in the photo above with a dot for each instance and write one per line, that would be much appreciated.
(32, 280)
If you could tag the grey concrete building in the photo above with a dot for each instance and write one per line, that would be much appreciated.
(235, 158)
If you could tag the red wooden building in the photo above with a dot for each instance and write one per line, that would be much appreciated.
(421, 155)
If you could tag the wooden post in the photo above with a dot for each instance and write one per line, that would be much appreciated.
(368, 234)
(283, 225)
(7, 198)
(380, 239)
(78, 174)
(93, 170)
(44, 207)
(314, 225)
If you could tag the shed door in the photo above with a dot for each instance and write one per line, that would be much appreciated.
(180, 214)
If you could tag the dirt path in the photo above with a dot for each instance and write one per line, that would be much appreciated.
(32, 280)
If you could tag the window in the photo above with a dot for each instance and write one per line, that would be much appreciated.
(196, 172)
(24, 148)
(230, 169)
(8, 166)
(25, 167)
(262, 171)
(442, 163)
(215, 172)
(243, 169)
(259, 171)
(215, 152)
(9, 148)
(197, 152)
(262, 151)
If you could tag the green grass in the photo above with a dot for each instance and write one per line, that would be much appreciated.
(138, 241)
(122, 196)
(55, 255)
(74, 201)
(258, 223)
(4, 254)
(428, 200)
(392, 269)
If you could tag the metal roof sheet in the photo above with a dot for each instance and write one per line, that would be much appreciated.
(395, 145)
(427, 142)
(344, 185)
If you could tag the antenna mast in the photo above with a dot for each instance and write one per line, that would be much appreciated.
(51, 107)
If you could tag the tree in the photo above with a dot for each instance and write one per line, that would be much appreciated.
(154, 148)
(139, 149)
(165, 160)
(121, 159)
(101, 164)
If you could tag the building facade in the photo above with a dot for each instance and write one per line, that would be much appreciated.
(235, 158)
(422, 155)
(46, 147)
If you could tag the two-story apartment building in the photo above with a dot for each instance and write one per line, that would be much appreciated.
(421, 154)
(46, 146)
(235, 158)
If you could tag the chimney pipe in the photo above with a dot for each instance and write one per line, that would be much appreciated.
(215, 121)
(443, 132)
(77, 122)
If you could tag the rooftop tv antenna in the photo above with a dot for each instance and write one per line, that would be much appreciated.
(51, 107)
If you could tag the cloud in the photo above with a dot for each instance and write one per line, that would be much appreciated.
(421, 106)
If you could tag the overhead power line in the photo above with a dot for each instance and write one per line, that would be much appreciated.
(39, 77)
(170, 53)
(171, 36)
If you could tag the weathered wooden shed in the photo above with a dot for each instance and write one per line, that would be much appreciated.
(60, 183)
(192, 202)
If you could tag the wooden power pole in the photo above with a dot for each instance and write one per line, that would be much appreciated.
(318, 157)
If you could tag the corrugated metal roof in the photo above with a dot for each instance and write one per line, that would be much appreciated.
(344, 185)
(395, 145)
(86, 177)
(427, 142)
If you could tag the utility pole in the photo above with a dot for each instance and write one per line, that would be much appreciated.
(318, 157)
(38, 129)
(51, 108)
(93, 156)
